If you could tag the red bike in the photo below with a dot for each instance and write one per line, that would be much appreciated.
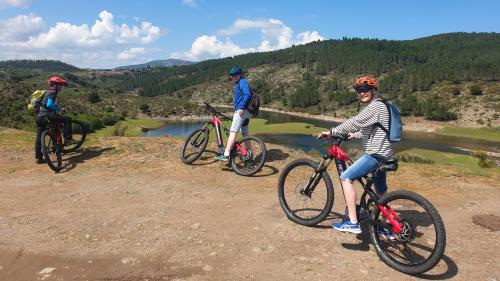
(247, 156)
(406, 229)
(53, 144)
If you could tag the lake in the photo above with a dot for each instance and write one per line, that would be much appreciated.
(411, 139)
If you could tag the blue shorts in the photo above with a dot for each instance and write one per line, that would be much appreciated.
(362, 167)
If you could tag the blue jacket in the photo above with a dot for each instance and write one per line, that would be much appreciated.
(241, 94)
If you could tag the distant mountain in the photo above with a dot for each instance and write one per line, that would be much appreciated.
(38, 65)
(157, 63)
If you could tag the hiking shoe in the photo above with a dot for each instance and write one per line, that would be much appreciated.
(39, 161)
(347, 226)
(386, 233)
(222, 158)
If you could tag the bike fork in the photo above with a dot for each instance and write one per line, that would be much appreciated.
(314, 179)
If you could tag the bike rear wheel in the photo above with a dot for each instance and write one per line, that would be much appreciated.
(51, 151)
(79, 135)
(299, 207)
(421, 244)
(252, 162)
(194, 145)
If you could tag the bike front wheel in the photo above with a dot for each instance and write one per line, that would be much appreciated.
(422, 241)
(51, 151)
(248, 156)
(194, 145)
(79, 134)
(300, 206)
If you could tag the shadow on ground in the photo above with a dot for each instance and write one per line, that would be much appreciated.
(80, 156)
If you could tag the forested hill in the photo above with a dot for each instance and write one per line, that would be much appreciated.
(38, 65)
(407, 65)
(435, 77)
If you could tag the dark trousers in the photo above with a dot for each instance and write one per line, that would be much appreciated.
(41, 125)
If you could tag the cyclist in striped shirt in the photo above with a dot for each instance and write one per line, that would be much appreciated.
(375, 142)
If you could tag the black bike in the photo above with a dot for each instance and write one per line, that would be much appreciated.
(247, 156)
(406, 229)
(53, 144)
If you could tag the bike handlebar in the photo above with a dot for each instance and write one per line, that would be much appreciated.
(215, 112)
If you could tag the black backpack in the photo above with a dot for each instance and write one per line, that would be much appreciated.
(254, 103)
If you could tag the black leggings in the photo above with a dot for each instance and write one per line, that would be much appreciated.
(41, 125)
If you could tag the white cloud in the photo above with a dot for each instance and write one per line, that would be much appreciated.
(20, 28)
(210, 46)
(307, 37)
(136, 52)
(190, 3)
(274, 35)
(95, 46)
(13, 3)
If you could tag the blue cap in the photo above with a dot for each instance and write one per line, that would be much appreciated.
(235, 70)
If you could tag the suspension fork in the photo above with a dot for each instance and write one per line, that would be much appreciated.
(315, 178)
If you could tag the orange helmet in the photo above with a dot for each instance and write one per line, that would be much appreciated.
(369, 81)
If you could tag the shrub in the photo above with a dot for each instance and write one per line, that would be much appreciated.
(93, 97)
(484, 161)
(411, 158)
(144, 107)
(119, 130)
(475, 90)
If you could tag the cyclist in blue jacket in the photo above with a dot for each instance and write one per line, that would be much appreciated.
(51, 111)
(241, 117)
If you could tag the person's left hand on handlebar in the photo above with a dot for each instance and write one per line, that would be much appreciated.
(63, 111)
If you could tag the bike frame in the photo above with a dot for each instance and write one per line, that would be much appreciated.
(55, 129)
(219, 127)
(335, 153)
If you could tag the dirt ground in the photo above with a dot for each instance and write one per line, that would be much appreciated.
(128, 209)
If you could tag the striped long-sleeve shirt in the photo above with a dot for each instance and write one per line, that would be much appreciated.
(373, 139)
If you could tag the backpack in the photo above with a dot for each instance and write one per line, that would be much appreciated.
(395, 130)
(254, 103)
(35, 100)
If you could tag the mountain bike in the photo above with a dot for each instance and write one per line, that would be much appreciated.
(247, 156)
(53, 144)
(406, 229)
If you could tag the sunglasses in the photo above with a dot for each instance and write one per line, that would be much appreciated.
(363, 89)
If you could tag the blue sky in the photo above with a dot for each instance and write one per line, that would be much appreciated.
(104, 34)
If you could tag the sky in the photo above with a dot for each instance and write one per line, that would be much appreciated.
(112, 33)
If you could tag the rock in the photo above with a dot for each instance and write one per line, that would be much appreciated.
(88, 237)
(195, 226)
(131, 261)
(213, 253)
(207, 268)
(46, 272)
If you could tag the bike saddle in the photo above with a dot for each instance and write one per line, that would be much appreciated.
(389, 165)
